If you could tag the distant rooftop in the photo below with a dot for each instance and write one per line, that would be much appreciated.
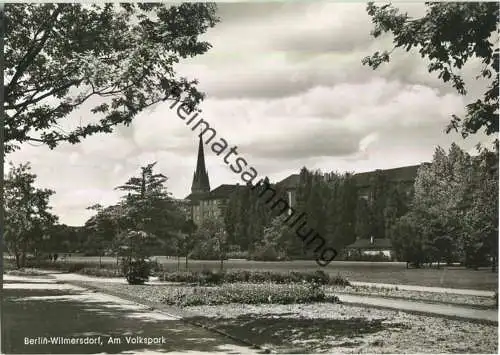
(401, 174)
(222, 191)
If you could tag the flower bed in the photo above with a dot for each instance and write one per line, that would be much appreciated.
(215, 278)
(241, 293)
(247, 294)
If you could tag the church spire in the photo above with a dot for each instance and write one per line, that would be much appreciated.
(200, 178)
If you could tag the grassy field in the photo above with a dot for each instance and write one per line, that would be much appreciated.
(383, 272)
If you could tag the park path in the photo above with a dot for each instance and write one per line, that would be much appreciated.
(435, 309)
(456, 291)
(42, 308)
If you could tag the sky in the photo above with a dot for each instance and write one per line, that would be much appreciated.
(285, 84)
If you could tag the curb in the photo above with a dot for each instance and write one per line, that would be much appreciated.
(172, 312)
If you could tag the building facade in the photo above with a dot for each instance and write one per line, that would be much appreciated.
(207, 204)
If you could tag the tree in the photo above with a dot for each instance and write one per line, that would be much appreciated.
(480, 231)
(149, 207)
(363, 226)
(27, 212)
(271, 248)
(408, 240)
(104, 228)
(135, 248)
(449, 35)
(59, 56)
(214, 238)
(186, 240)
(454, 211)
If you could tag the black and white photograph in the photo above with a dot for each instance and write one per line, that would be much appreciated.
(259, 177)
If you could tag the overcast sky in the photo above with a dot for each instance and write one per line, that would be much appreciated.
(284, 83)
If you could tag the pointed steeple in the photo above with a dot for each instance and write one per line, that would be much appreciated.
(201, 182)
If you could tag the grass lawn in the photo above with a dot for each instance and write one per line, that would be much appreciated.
(383, 272)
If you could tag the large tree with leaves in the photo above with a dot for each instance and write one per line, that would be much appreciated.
(149, 206)
(213, 239)
(104, 228)
(27, 212)
(117, 57)
(448, 36)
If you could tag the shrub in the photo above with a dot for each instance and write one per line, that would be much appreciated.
(339, 280)
(211, 278)
(101, 272)
(155, 266)
(59, 266)
(215, 278)
(26, 272)
(268, 293)
(136, 271)
(75, 267)
(237, 255)
(179, 276)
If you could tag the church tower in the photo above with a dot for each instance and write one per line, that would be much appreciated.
(201, 184)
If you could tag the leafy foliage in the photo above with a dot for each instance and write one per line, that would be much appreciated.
(134, 251)
(454, 212)
(146, 218)
(27, 212)
(213, 239)
(210, 277)
(449, 35)
(149, 207)
(60, 56)
(270, 248)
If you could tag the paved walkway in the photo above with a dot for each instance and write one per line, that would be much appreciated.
(441, 309)
(68, 277)
(41, 315)
(456, 291)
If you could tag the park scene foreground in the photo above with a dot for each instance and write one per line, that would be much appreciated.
(270, 312)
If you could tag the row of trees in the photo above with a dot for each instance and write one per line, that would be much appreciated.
(454, 212)
(449, 214)
(333, 208)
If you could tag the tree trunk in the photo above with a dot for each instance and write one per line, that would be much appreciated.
(18, 262)
(221, 263)
(23, 259)
(100, 260)
(186, 262)
(178, 263)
